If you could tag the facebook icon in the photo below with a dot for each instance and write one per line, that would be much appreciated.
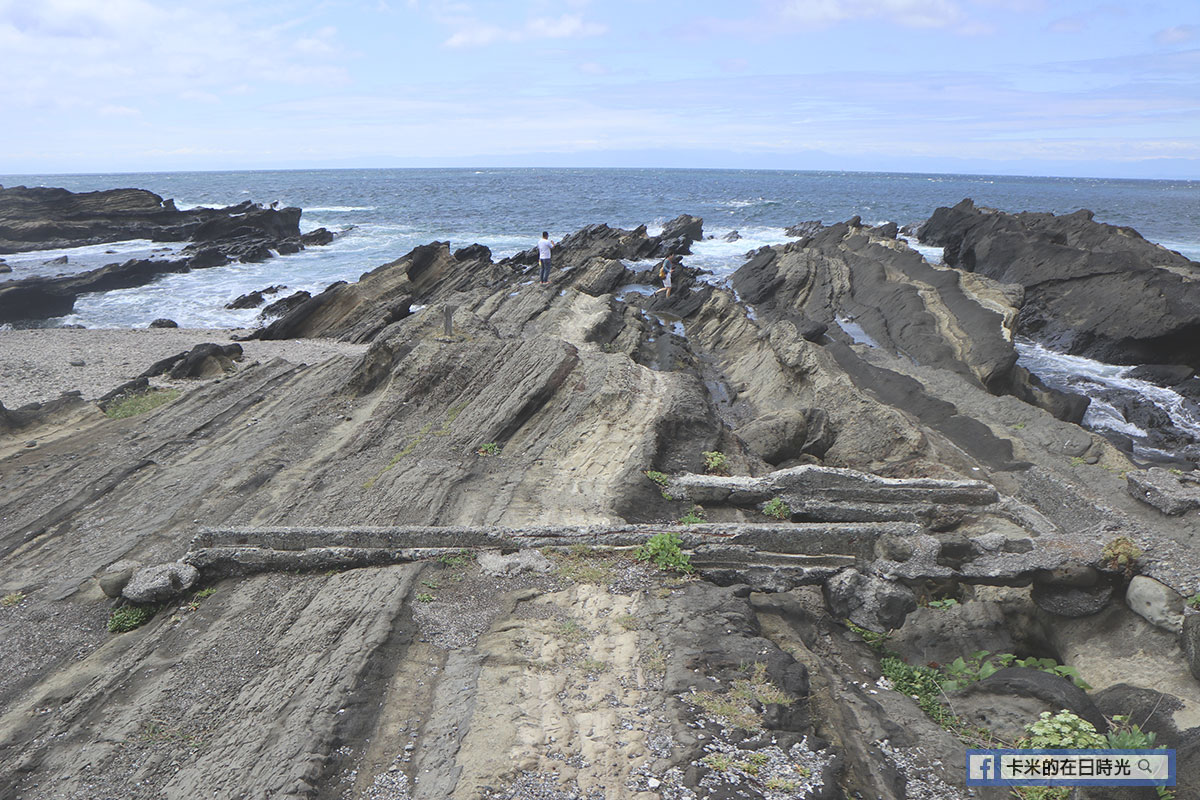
(981, 766)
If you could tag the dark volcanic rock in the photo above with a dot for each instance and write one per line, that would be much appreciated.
(286, 304)
(473, 252)
(1072, 601)
(1090, 288)
(160, 583)
(601, 241)
(206, 360)
(867, 600)
(803, 229)
(321, 236)
(255, 298)
(1162, 374)
(163, 322)
(1056, 692)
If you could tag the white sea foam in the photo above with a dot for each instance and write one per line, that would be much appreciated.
(1092, 378)
(928, 252)
(723, 258)
(81, 259)
(749, 203)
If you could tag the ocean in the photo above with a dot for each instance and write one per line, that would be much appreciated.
(390, 211)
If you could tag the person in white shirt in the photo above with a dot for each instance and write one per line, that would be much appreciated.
(545, 245)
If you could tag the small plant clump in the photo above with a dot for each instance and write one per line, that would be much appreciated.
(459, 559)
(1121, 553)
(715, 462)
(693, 517)
(922, 683)
(945, 602)
(585, 564)
(1194, 602)
(661, 479)
(128, 618)
(425, 597)
(982, 664)
(742, 705)
(775, 507)
(663, 551)
(658, 477)
(134, 404)
(1061, 731)
(12, 599)
(489, 449)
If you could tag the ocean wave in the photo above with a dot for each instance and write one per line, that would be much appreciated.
(758, 201)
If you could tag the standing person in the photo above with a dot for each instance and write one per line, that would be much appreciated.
(668, 273)
(545, 246)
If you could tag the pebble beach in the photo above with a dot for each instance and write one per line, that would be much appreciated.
(39, 365)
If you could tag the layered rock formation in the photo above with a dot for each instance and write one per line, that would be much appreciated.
(35, 219)
(422, 566)
(1090, 288)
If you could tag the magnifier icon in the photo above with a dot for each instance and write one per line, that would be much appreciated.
(1143, 764)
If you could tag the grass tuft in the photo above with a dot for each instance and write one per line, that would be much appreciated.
(134, 404)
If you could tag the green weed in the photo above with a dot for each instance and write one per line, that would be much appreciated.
(134, 404)
(662, 550)
(778, 509)
(1121, 553)
(128, 618)
(715, 462)
(489, 449)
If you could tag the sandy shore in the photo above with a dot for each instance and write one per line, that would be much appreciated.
(39, 365)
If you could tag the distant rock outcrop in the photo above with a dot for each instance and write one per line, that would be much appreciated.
(1090, 288)
(34, 219)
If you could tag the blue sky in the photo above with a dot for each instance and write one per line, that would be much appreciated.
(1041, 87)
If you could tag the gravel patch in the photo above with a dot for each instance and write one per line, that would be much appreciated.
(39, 365)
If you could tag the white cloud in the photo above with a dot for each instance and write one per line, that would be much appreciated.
(472, 33)
(119, 53)
(1176, 35)
(911, 13)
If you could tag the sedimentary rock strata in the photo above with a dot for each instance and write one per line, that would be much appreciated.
(887, 472)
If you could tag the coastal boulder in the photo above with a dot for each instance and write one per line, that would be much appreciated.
(784, 435)
(207, 360)
(160, 583)
(1159, 605)
(1171, 493)
(869, 601)
(116, 576)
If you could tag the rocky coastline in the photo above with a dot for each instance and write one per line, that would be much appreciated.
(810, 534)
(42, 219)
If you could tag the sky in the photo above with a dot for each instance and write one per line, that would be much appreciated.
(1032, 87)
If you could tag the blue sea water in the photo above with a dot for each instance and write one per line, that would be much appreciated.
(393, 210)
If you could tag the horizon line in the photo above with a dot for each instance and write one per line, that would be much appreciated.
(511, 168)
